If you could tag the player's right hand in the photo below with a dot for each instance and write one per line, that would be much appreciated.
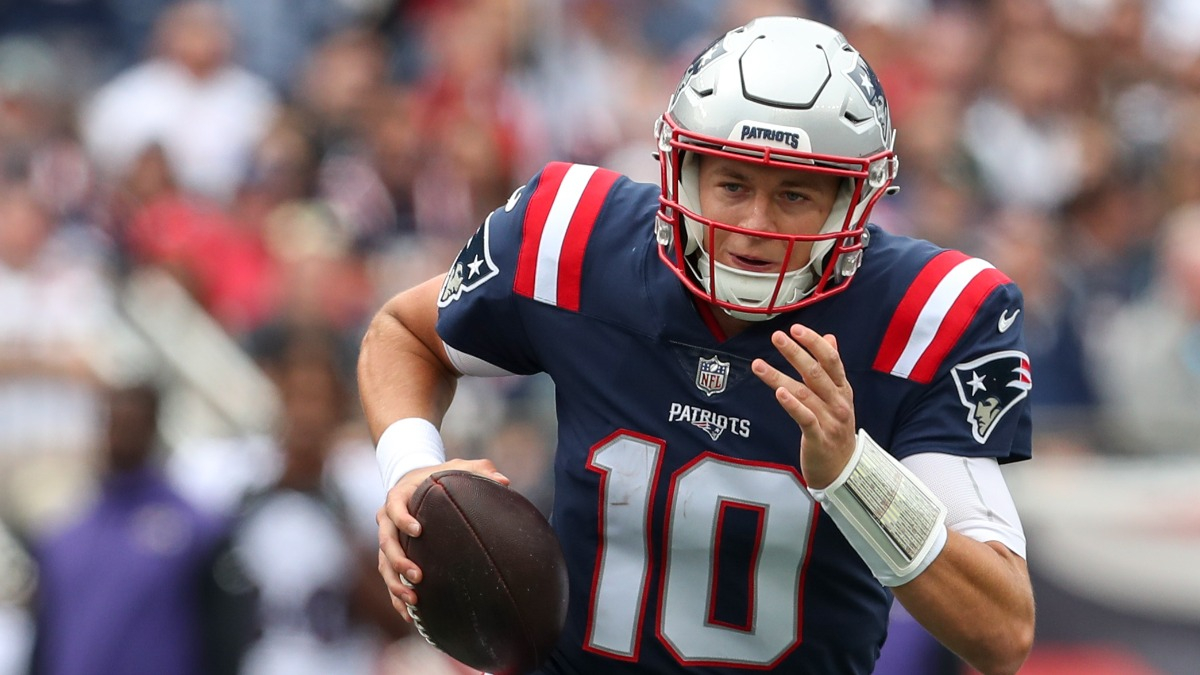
(398, 572)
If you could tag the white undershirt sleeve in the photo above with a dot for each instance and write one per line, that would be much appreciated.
(473, 365)
(978, 503)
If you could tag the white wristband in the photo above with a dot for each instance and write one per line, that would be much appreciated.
(894, 522)
(407, 444)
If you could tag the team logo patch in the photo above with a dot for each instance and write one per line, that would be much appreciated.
(991, 386)
(712, 375)
(472, 267)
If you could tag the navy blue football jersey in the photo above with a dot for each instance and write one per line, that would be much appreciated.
(691, 541)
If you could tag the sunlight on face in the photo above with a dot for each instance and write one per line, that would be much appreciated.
(763, 199)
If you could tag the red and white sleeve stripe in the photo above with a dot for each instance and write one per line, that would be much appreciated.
(558, 221)
(935, 311)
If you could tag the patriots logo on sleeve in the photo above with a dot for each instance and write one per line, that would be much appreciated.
(472, 267)
(990, 386)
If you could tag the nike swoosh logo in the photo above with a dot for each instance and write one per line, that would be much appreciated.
(1007, 321)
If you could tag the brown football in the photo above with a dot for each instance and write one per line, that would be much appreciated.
(494, 589)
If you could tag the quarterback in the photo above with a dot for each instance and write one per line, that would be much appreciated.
(775, 418)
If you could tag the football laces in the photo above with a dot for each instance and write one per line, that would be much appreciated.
(416, 616)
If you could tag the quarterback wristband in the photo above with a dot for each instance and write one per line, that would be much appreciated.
(407, 444)
(894, 522)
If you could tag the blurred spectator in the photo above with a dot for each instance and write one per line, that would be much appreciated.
(1025, 245)
(18, 578)
(473, 119)
(338, 82)
(394, 143)
(322, 283)
(522, 448)
(1109, 230)
(84, 33)
(120, 589)
(57, 306)
(37, 143)
(344, 89)
(1173, 32)
(29, 78)
(1180, 167)
(219, 258)
(275, 35)
(574, 72)
(205, 111)
(1024, 132)
(1147, 356)
(938, 194)
(298, 589)
(134, 26)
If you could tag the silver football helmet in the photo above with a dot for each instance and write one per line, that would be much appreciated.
(782, 92)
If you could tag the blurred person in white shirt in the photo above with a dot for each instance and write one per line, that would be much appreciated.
(188, 96)
(55, 307)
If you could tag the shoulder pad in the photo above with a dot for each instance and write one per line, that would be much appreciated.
(559, 217)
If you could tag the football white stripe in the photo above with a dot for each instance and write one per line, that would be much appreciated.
(545, 277)
(935, 310)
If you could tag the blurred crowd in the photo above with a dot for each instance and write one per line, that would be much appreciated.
(290, 164)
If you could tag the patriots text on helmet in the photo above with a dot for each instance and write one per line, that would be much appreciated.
(789, 138)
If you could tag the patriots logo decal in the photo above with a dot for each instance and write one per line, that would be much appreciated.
(472, 267)
(716, 49)
(990, 386)
(868, 83)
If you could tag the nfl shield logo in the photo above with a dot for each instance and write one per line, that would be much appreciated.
(711, 375)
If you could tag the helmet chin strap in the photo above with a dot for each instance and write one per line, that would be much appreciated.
(743, 287)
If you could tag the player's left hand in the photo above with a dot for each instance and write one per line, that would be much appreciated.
(818, 396)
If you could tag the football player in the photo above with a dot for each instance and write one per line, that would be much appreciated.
(774, 417)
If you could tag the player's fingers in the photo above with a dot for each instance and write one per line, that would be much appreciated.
(817, 362)
(812, 373)
(483, 467)
(796, 408)
(389, 546)
(395, 508)
(824, 349)
(400, 593)
(772, 376)
(791, 394)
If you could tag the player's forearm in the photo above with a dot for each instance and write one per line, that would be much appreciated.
(976, 599)
(401, 369)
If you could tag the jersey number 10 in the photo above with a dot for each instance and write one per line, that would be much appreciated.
(699, 496)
